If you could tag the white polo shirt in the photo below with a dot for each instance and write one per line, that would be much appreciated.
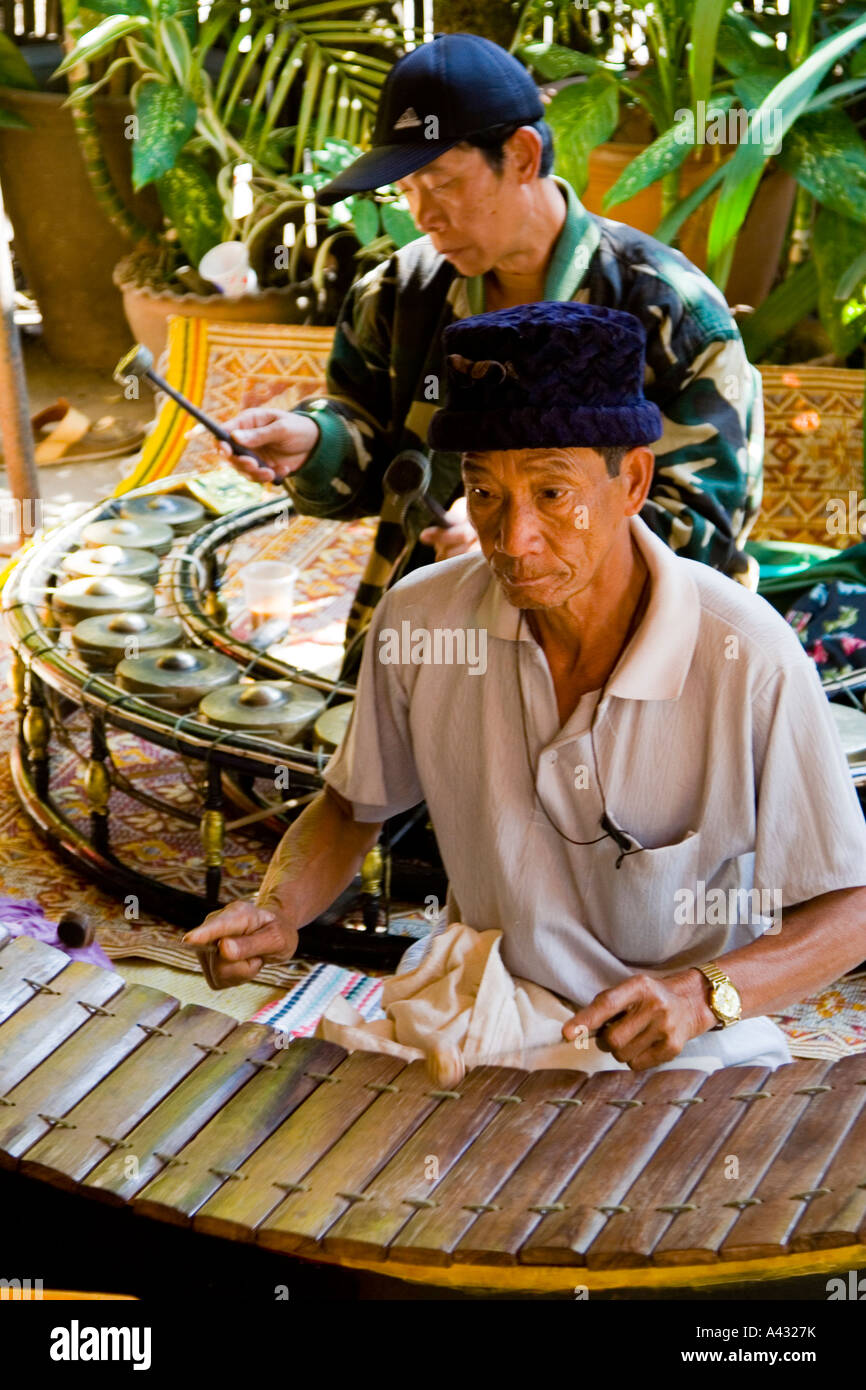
(713, 744)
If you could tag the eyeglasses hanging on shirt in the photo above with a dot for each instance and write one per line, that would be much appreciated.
(624, 843)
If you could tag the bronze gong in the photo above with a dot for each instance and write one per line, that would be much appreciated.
(89, 596)
(142, 534)
(183, 514)
(102, 642)
(331, 726)
(112, 560)
(272, 709)
(175, 677)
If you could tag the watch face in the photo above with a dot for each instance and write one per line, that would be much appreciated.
(726, 1000)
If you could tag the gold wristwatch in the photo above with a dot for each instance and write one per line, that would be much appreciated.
(725, 1000)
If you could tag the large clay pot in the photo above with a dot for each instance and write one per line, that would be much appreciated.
(148, 310)
(63, 241)
(760, 241)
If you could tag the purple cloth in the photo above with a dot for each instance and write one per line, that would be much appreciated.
(28, 919)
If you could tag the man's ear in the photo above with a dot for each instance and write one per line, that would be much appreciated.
(636, 472)
(523, 151)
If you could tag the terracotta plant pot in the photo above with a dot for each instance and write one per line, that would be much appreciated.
(64, 243)
(759, 244)
(148, 310)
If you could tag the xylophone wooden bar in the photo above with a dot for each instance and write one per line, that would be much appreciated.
(254, 1110)
(696, 1236)
(92, 1054)
(501, 1128)
(101, 1121)
(239, 1209)
(797, 1170)
(663, 1189)
(184, 1115)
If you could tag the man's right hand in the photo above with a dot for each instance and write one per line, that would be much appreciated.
(240, 939)
(281, 437)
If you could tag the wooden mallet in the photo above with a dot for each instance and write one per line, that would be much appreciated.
(139, 363)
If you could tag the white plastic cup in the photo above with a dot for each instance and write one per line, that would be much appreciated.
(228, 267)
(269, 590)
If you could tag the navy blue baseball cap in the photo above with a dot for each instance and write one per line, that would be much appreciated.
(439, 94)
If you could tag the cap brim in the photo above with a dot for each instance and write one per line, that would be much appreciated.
(381, 166)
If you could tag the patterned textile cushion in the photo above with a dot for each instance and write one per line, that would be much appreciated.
(223, 367)
(813, 454)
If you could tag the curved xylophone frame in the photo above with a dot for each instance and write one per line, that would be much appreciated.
(46, 675)
(523, 1182)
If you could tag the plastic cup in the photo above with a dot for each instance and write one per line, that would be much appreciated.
(228, 267)
(269, 590)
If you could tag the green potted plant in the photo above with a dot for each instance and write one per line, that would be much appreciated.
(198, 134)
(710, 68)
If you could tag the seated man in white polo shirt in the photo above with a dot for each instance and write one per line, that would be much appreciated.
(629, 762)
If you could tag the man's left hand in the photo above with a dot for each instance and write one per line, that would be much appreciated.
(646, 1021)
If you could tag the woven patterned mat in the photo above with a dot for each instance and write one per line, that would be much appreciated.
(813, 451)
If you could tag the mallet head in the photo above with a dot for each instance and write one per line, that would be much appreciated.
(137, 362)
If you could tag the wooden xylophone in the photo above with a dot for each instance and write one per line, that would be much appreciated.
(529, 1181)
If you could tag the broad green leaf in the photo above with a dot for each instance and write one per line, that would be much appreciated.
(85, 93)
(666, 153)
(781, 311)
(801, 29)
(119, 7)
(853, 280)
(702, 53)
(789, 97)
(670, 225)
(827, 156)
(837, 243)
(166, 117)
(365, 218)
(833, 96)
(743, 49)
(858, 62)
(398, 223)
(147, 57)
(553, 62)
(581, 117)
(185, 10)
(176, 45)
(14, 68)
(104, 36)
(191, 202)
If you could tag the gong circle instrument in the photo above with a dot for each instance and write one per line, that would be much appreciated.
(176, 677)
(183, 514)
(76, 599)
(520, 1181)
(111, 560)
(102, 642)
(274, 709)
(131, 534)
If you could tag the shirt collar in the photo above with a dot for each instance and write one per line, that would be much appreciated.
(574, 249)
(656, 662)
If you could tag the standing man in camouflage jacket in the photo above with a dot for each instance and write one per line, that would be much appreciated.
(460, 131)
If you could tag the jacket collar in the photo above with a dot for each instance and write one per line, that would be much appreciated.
(574, 249)
(656, 662)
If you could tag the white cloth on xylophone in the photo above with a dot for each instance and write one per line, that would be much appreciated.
(462, 997)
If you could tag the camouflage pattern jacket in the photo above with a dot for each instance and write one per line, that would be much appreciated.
(386, 369)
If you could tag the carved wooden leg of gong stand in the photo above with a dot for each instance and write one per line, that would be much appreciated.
(98, 787)
(36, 732)
(213, 834)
